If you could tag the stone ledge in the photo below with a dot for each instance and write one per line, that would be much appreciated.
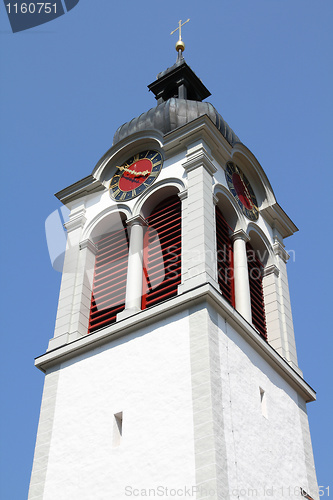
(197, 296)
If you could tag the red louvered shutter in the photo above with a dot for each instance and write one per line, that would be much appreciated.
(224, 258)
(109, 285)
(256, 291)
(162, 253)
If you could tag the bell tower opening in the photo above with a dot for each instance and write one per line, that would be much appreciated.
(162, 252)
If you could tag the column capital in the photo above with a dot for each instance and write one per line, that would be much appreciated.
(137, 220)
(215, 199)
(240, 235)
(88, 244)
(280, 251)
(77, 220)
(273, 269)
(198, 156)
(183, 195)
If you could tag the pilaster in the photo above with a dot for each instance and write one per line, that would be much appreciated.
(44, 436)
(82, 290)
(74, 227)
(211, 470)
(198, 229)
(287, 326)
(273, 309)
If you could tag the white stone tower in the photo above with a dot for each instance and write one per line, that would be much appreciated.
(173, 371)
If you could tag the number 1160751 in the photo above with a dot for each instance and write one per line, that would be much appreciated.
(32, 8)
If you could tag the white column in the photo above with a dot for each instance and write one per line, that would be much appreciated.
(135, 267)
(241, 275)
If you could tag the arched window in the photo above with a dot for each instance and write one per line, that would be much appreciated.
(255, 268)
(109, 284)
(224, 258)
(162, 252)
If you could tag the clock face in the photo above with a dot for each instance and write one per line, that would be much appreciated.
(135, 175)
(242, 191)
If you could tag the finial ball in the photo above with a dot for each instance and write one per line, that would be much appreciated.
(180, 45)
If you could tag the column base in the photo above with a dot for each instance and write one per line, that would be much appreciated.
(127, 312)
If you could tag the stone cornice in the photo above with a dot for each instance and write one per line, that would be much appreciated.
(83, 187)
(196, 296)
(277, 218)
(201, 128)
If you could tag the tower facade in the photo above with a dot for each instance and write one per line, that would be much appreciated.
(173, 369)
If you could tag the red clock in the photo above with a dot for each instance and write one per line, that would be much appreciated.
(135, 175)
(242, 191)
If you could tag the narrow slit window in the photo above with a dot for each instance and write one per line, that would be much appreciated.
(255, 268)
(224, 253)
(117, 428)
(263, 402)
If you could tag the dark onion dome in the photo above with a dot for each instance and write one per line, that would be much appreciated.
(179, 93)
(172, 114)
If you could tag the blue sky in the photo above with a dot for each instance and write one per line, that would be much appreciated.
(68, 85)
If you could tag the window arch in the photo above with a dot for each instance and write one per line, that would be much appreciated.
(162, 252)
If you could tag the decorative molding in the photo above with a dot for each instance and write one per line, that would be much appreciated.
(85, 186)
(77, 220)
(270, 270)
(240, 235)
(183, 195)
(215, 199)
(278, 219)
(88, 244)
(280, 251)
(156, 186)
(137, 220)
(199, 157)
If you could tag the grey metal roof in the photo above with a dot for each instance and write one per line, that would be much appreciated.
(179, 94)
(174, 113)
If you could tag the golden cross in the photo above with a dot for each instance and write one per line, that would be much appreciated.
(179, 28)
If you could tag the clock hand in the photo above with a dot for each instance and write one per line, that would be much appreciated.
(134, 172)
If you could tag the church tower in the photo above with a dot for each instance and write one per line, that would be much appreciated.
(173, 371)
